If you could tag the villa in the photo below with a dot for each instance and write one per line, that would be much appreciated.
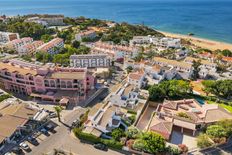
(186, 116)
(104, 119)
(43, 83)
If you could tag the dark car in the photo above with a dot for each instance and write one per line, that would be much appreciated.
(45, 132)
(101, 146)
(32, 140)
(50, 127)
(17, 150)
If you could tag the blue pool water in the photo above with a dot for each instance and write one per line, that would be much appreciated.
(211, 19)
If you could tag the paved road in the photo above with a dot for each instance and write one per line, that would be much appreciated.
(64, 140)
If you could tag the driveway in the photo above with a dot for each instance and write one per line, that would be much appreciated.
(63, 139)
(179, 138)
(144, 120)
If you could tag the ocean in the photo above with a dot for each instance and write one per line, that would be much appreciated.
(210, 19)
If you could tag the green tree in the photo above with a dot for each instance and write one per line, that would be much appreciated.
(156, 93)
(46, 38)
(58, 110)
(153, 142)
(132, 132)
(227, 125)
(216, 131)
(117, 134)
(203, 141)
(76, 44)
(129, 69)
(196, 68)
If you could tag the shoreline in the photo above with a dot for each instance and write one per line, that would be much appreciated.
(201, 42)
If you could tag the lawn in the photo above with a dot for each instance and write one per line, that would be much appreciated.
(227, 107)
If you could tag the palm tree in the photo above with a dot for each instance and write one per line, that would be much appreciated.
(58, 110)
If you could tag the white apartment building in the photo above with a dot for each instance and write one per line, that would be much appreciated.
(90, 60)
(86, 34)
(140, 40)
(166, 42)
(52, 47)
(117, 52)
(8, 36)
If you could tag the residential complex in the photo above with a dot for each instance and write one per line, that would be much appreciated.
(115, 51)
(86, 35)
(90, 60)
(8, 36)
(29, 49)
(48, 20)
(52, 47)
(43, 83)
(17, 43)
(158, 42)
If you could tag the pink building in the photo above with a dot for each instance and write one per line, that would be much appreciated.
(46, 84)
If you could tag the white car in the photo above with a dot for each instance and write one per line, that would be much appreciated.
(24, 146)
(8, 153)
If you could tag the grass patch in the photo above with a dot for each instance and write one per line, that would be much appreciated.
(227, 107)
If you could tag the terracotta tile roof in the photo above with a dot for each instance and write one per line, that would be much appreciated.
(9, 124)
(13, 68)
(19, 110)
(163, 128)
(228, 59)
(135, 76)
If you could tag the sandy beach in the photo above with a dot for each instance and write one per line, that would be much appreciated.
(204, 43)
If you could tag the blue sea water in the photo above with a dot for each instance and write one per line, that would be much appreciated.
(211, 19)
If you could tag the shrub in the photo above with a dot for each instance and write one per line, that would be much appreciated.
(86, 136)
(131, 112)
(132, 132)
(203, 141)
(117, 134)
(4, 97)
(216, 131)
(183, 115)
(93, 139)
(112, 143)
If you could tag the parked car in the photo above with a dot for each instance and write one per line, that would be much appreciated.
(25, 147)
(52, 115)
(50, 127)
(17, 150)
(45, 132)
(101, 146)
(76, 123)
(32, 140)
(8, 153)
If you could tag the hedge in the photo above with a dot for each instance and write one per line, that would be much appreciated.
(93, 139)
(131, 111)
(4, 97)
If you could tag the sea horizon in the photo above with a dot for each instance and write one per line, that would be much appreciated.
(206, 19)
